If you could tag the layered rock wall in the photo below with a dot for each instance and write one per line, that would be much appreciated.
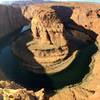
(12, 91)
(84, 14)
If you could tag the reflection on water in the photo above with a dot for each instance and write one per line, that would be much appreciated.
(13, 69)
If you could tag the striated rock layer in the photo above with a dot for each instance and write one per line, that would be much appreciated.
(11, 91)
(47, 29)
(74, 16)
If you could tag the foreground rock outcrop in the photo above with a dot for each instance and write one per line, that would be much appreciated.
(11, 91)
(11, 19)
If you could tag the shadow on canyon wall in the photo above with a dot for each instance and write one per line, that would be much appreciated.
(11, 19)
(79, 67)
(73, 74)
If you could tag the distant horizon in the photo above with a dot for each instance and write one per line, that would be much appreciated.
(11, 1)
(98, 1)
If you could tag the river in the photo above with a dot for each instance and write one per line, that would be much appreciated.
(13, 69)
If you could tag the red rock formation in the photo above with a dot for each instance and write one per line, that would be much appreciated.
(82, 13)
(12, 91)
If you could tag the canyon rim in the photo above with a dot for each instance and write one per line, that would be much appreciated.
(80, 22)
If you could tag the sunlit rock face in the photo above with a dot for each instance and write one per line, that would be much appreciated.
(48, 28)
(49, 44)
(12, 91)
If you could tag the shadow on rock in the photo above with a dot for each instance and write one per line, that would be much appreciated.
(78, 37)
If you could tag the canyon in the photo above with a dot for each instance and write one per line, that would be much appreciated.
(81, 20)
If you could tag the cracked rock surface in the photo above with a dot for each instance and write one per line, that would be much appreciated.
(11, 91)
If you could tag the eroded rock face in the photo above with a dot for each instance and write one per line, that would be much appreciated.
(47, 29)
(53, 46)
(11, 91)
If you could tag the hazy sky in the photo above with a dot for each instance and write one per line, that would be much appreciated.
(98, 1)
(76, 0)
(3, 1)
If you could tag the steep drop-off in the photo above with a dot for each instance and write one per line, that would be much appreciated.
(78, 18)
(84, 15)
(11, 19)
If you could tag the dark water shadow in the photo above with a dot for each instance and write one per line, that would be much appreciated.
(37, 81)
(78, 68)
(12, 67)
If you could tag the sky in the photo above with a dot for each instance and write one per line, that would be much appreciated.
(97, 1)
(4, 1)
(76, 0)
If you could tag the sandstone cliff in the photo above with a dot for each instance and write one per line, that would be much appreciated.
(12, 91)
(84, 14)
